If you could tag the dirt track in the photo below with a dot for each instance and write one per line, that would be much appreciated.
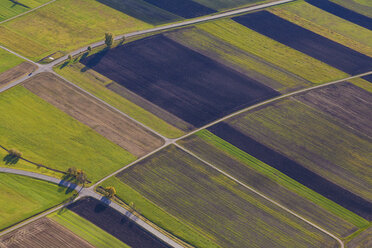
(42, 233)
(87, 110)
(16, 72)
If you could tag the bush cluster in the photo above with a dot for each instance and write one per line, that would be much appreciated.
(15, 153)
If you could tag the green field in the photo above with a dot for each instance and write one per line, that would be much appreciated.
(46, 135)
(218, 208)
(272, 51)
(64, 25)
(22, 197)
(314, 140)
(274, 184)
(9, 9)
(363, 7)
(86, 230)
(327, 25)
(95, 84)
(238, 59)
(8, 60)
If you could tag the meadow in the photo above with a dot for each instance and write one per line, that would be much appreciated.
(299, 134)
(158, 69)
(95, 83)
(52, 31)
(22, 197)
(48, 136)
(86, 229)
(114, 223)
(305, 41)
(9, 8)
(8, 60)
(272, 51)
(273, 183)
(328, 25)
(217, 207)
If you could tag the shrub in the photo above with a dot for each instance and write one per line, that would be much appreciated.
(15, 153)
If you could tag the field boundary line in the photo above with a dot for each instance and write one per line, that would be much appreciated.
(24, 13)
(262, 195)
(165, 139)
(19, 56)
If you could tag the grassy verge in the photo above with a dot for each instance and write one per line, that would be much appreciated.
(86, 230)
(276, 53)
(48, 136)
(8, 60)
(157, 215)
(282, 179)
(95, 84)
(327, 25)
(22, 197)
(65, 25)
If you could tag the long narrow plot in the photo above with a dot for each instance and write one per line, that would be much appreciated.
(219, 208)
(305, 41)
(185, 83)
(343, 12)
(115, 223)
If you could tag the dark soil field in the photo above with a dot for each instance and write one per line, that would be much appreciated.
(342, 12)
(96, 115)
(350, 104)
(368, 78)
(305, 41)
(246, 173)
(187, 84)
(294, 170)
(43, 233)
(142, 10)
(184, 8)
(16, 72)
(219, 208)
(115, 223)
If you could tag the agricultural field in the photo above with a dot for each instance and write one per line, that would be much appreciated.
(363, 7)
(84, 108)
(218, 208)
(42, 233)
(99, 85)
(308, 146)
(273, 183)
(10, 8)
(114, 223)
(51, 31)
(158, 69)
(22, 197)
(16, 72)
(343, 12)
(85, 229)
(48, 136)
(328, 25)
(364, 239)
(305, 41)
(8, 61)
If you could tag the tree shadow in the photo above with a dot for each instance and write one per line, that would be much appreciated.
(15, 3)
(10, 159)
(65, 64)
(93, 60)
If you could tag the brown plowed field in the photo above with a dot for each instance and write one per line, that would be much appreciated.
(350, 104)
(42, 233)
(16, 72)
(94, 114)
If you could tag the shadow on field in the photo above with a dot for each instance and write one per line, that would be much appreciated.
(10, 159)
(94, 60)
(16, 3)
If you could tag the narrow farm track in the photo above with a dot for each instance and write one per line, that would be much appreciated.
(83, 192)
(262, 195)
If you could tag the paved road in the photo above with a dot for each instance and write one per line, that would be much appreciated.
(84, 192)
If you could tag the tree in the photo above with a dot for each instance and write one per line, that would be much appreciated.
(111, 191)
(72, 171)
(89, 48)
(69, 57)
(15, 153)
(109, 39)
(81, 177)
(132, 206)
